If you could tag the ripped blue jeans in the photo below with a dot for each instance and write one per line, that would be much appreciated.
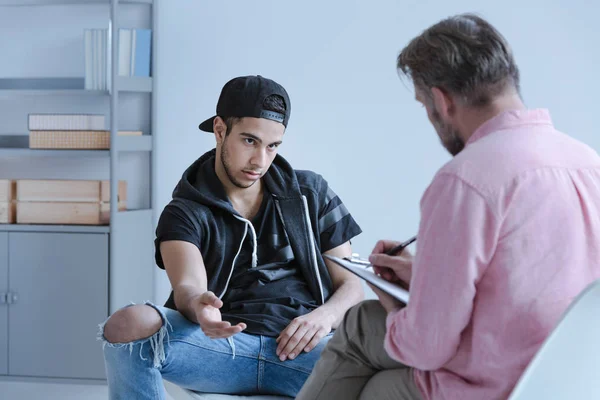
(180, 353)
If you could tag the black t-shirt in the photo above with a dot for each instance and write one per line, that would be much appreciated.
(273, 293)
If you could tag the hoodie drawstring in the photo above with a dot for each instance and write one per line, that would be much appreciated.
(254, 250)
(254, 240)
(233, 263)
(254, 264)
(255, 246)
(232, 345)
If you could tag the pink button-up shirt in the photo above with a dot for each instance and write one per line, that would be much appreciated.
(509, 235)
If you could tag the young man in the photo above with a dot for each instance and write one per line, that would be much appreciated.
(242, 243)
(509, 235)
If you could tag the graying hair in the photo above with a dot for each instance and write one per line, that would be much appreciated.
(463, 55)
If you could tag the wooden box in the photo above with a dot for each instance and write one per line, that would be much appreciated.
(69, 213)
(105, 191)
(7, 212)
(77, 202)
(89, 140)
(7, 204)
(7, 190)
(73, 191)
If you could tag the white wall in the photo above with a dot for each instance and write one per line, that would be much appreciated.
(353, 120)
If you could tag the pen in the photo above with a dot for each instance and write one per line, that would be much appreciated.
(397, 249)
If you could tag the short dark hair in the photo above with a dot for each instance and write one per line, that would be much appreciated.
(463, 55)
(273, 102)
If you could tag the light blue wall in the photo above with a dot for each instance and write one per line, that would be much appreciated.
(352, 119)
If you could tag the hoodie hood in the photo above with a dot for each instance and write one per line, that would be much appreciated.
(201, 184)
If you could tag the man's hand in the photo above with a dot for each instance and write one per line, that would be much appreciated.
(388, 302)
(396, 269)
(303, 334)
(206, 308)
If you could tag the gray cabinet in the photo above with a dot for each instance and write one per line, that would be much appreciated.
(3, 304)
(60, 281)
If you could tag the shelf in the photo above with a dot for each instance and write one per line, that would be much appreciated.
(17, 3)
(69, 86)
(54, 228)
(128, 214)
(46, 86)
(53, 153)
(138, 213)
(18, 145)
(134, 84)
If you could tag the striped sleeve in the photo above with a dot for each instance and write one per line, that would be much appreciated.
(336, 225)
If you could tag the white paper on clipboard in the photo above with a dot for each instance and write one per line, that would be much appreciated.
(377, 281)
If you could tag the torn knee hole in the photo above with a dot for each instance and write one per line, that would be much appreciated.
(132, 323)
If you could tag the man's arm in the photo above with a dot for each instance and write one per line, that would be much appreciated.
(306, 331)
(396, 269)
(347, 287)
(457, 239)
(187, 274)
(185, 268)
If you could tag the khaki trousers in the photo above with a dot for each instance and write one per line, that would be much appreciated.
(354, 364)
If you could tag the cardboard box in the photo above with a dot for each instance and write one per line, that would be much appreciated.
(68, 213)
(72, 191)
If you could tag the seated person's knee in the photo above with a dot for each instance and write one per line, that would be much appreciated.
(132, 323)
(365, 307)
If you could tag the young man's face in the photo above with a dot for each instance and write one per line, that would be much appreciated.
(249, 149)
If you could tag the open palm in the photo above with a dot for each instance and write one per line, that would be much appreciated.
(210, 320)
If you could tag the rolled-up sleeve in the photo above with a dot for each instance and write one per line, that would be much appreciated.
(457, 236)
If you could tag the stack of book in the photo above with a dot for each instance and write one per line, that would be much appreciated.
(135, 52)
(135, 47)
(97, 59)
(70, 131)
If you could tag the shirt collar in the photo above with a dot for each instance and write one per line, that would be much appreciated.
(509, 120)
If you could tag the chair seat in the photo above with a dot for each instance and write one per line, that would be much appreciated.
(567, 365)
(178, 393)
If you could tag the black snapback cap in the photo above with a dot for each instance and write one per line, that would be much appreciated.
(244, 97)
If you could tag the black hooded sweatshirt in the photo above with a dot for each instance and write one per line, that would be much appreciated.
(269, 270)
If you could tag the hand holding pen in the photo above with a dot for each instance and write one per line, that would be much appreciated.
(390, 263)
(396, 250)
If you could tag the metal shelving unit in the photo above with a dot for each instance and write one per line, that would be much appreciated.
(129, 236)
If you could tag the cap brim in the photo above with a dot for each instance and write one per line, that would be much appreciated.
(207, 126)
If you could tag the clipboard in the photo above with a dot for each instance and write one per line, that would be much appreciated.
(359, 268)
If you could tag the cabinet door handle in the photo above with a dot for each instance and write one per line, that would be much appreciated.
(12, 298)
(3, 298)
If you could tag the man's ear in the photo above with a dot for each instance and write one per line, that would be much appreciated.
(220, 129)
(444, 103)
